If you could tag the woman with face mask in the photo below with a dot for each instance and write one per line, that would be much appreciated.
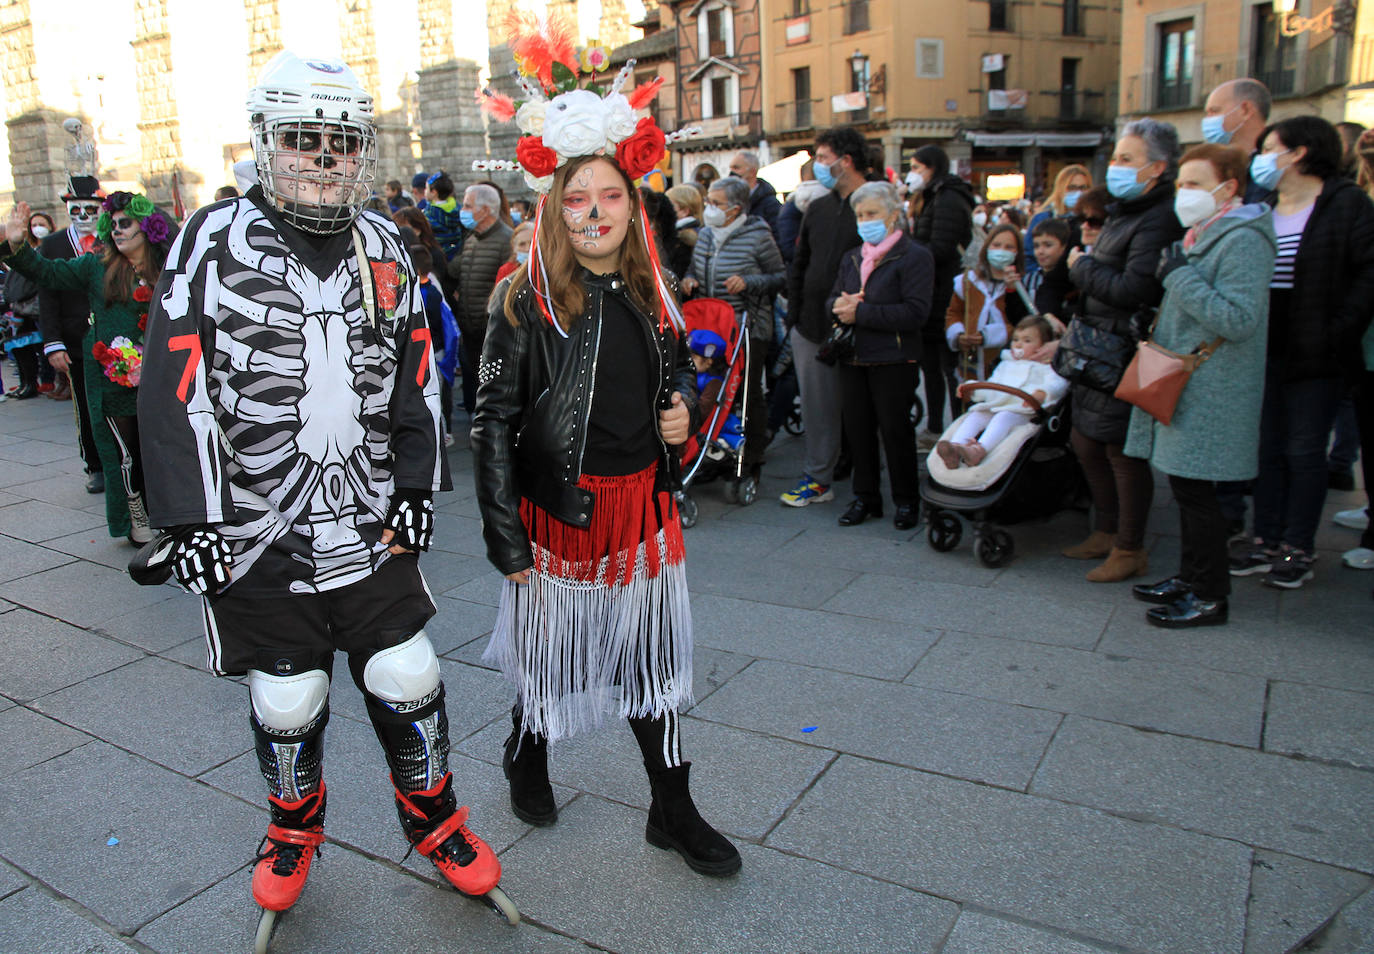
(943, 207)
(1062, 202)
(1215, 296)
(884, 291)
(21, 292)
(1118, 291)
(1320, 300)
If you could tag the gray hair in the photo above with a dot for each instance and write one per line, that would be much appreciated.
(751, 159)
(1253, 91)
(485, 197)
(1160, 138)
(736, 191)
(884, 193)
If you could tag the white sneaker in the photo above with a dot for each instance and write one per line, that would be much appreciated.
(1360, 558)
(1357, 519)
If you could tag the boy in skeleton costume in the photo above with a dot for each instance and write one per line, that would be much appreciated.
(292, 447)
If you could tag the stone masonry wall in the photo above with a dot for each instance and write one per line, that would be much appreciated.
(264, 34)
(159, 127)
(36, 139)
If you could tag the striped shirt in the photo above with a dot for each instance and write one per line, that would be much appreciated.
(1289, 229)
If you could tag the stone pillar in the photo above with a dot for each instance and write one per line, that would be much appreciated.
(264, 34)
(892, 151)
(37, 142)
(358, 31)
(159, 126)
(452, 134)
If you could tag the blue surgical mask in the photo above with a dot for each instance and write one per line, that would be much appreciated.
(873, 231)
(515, 216)
(1001, 257)
(1214, 128)
(468, 219)
(1071, 198)
(1265, 171)
(1123, 182)
(522, 257)
(823, 174)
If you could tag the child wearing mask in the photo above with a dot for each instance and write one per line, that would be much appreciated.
(1049, 285)
(708, 357)
(995, 414)
(981, 313)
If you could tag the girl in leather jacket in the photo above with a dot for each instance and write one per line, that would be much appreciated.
(586, 390)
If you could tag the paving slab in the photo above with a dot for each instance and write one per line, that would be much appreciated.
(95, 545)
(11, 880)
(12, 473)
(186, 720)
(484, 590)
(977, 933)
(742, 783)
(923, 728)
(1314, 811)
(455, 533)
(883, 550)
(778, 903)
(36, 521)
(443, 570)
(974, 609)
(710, 539)
(39, 655)
(785, 583)
(1106, 879)
(178, 617)
(19, 559)
(37, 923)
(1321, 723)
(863, 646)
(129, 803)
(1352, 932)
(350, 904)
(81, 593)
(35, 453)
(1185, 700)
(63, 491)
(457, 623)
(31, 738)
(1291, 899)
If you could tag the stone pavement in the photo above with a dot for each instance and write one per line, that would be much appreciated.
(914, 753)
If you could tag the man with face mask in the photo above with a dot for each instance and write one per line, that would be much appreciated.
(1235, 114)
(474, 268)
(292, 444)
(64, 316)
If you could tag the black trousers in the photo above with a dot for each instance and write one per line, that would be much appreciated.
(876, 404)
(82, 409)
(1204, 562)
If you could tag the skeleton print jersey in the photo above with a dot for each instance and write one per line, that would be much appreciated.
(273, 407)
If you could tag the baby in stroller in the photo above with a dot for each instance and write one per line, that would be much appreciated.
(708, 356)
(996, 414)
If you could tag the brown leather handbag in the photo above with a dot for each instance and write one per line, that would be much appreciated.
(1156, 377)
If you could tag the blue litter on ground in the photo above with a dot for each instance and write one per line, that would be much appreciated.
(809, 728)
(112, 842)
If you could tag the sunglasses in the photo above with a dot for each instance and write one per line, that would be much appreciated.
(311, 141)
(1093, 222)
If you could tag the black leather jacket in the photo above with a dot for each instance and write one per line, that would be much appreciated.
(534, 397)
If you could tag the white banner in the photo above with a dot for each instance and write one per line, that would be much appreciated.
(993, 62)
(848, 102)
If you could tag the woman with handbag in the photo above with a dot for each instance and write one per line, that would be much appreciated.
(1216, 305)
(1117, 286)
(883, 293)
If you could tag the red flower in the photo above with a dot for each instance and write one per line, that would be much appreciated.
(143, 293)
(642, 151)
(99, 351)
(536, 158)
(384, 277)
(142, 322)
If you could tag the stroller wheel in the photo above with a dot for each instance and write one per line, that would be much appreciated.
(793, 425)
(945, 531)
(994, 548)
(918, 410)
(687, 510)
(732, 491)
(748, 490)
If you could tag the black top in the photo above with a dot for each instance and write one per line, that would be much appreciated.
(621, 432)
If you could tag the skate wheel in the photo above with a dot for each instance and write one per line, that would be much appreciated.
(748, 490)
(267, 923)
(687, 511)
(502, 905)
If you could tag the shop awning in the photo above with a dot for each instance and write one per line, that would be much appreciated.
(1054, 140)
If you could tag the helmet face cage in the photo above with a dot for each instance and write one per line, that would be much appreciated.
(320, 171)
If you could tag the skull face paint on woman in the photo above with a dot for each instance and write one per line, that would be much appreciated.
(596, 211)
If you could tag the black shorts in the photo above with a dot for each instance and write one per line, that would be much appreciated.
(297, 633)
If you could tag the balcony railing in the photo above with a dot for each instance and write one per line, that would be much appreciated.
(1078, 106)
(726, 126)
(800, 114)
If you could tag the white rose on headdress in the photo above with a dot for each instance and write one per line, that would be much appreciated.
(530, 118)
(575, 124)
(540, 184)
(620, 118)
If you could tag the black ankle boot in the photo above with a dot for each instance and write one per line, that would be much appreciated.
(675, 823)
(526, 764)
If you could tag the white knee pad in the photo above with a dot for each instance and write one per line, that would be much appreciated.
(287, 704)
(407, 673)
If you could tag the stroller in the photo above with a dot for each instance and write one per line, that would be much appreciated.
(1031, 473)
(705, 456)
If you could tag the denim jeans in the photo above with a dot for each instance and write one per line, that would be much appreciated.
(1295, 424)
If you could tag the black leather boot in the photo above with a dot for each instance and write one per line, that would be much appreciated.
(675, 823)
(1188, 611)
(526, 764)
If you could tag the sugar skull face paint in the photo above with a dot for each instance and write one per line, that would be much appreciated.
(596, 208)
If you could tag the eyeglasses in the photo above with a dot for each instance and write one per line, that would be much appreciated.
(311, 140)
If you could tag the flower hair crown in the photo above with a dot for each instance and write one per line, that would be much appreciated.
(152, 221)
(559, 119)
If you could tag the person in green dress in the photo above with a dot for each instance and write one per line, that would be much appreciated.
(118, 275)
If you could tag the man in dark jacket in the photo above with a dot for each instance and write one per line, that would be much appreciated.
(64, 316)
(487, 245)
(828, 230)
(763, 198)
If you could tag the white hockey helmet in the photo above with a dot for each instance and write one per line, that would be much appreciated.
(313, 141)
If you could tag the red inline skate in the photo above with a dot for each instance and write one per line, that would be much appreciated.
(292, 842)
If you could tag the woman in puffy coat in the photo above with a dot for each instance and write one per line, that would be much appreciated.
(1215, 289)
(883, 290)
(944, 225)
(736, 259)
(1118, 290)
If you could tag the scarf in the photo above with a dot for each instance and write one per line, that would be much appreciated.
(873, 253)
(1193, 234)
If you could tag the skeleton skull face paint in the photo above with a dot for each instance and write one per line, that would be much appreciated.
(84, 215)
(596, 213)
(318, 162)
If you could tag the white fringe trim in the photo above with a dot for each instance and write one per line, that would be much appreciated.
(578, 651)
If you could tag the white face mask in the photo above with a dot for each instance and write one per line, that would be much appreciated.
(1194, 205)
(40, 231)
(980, 219)
(713, 217)
(915, 182)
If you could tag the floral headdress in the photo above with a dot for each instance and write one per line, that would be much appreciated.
(560, 120)
(152, 220)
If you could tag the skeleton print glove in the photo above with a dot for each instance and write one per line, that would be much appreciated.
(411, 518)
(200, 558)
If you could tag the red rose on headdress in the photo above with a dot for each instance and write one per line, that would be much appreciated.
(642, 151)
(143, 293)
(536, 158)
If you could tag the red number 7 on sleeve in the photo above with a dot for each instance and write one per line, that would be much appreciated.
(422, 334)
(189, 343)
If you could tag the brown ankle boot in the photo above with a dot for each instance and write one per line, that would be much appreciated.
(1098, 545)
(1120, 565)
